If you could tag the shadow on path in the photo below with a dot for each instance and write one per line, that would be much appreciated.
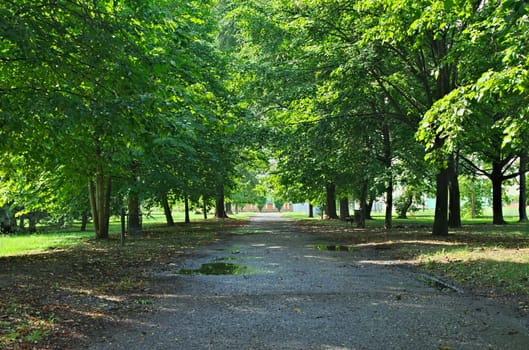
(295, 296)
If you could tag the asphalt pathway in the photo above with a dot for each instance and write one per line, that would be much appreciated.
(290, 295)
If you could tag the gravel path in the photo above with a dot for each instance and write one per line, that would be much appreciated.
(297, 297)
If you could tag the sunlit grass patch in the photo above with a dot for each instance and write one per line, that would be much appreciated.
(24, 244)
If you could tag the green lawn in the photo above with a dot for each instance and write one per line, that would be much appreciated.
(35, 243)
(56, 239)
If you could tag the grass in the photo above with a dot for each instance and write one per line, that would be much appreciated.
(35, 243)
(57, 239)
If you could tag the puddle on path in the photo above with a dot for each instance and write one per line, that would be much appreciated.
(334, 247)
(219, 268)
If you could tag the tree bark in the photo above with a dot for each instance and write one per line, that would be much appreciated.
(497, 203)
(220, 211)
(388, 218)
(361, 218)
(440, 226)
(32, 218)
(93, 204)
(454, 205)
(228, 209)
(522, 199)
(186, 209)
(368, 209)
(331, 201)
(167, 211)
(84, 221)
(205, 209)
(133, 218)
(102, 202)
(344, 208)
(311, 210)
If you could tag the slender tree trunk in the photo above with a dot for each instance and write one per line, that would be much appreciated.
(497, 203)
(93, 204)
(454, 209)
(228, 209)
(388, 218)
(344, 208)
(311, 210)
(133, 218)
(331, 201)
(440, 225)
(205, 208)
(522, 199)
(167, 211)
(473, 206)
(186, 205)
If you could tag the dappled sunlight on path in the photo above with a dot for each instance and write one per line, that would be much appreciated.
(297, 295)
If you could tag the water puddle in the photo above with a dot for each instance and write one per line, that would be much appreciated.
(334, 247)
(219, 268)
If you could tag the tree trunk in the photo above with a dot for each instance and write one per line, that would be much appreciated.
(93, 204)
(440, 225)
(454, 210)
(167, 211)
(32, 218)
(388, 218)
(360, 217)
(368, 209)
(220, 212)
(522, 199)
(186, 209)
(100, 203)
(497, 203)
(331, 201)
(228, 209)
(134, 219)
(344, 208)
(311, 210)
(205, 209)
(84, 221)
(473, 206)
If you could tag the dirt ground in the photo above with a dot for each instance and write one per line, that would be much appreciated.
(285, 287)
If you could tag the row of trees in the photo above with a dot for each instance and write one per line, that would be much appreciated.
(113, 103)
(361, 96)
(108, 103)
